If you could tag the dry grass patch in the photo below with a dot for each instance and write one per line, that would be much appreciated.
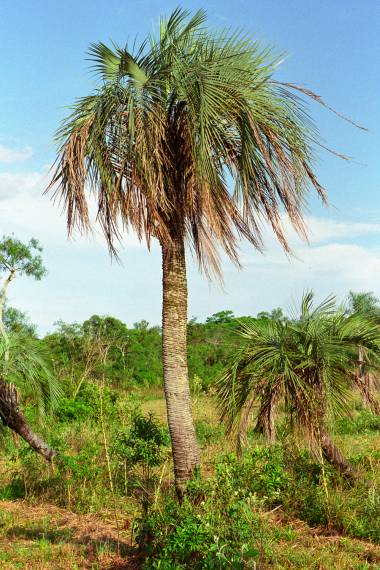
(44, 536)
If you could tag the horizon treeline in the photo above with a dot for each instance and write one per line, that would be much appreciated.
(104, 347)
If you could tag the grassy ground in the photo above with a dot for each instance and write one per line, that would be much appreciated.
(45, 537)
(37, 533)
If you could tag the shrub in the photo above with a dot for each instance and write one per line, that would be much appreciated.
(142, 443)
(220, 532)
(87, 403)
(208, 433)
(73, 410)
(219, 523)
(261, 472)
(363, 422)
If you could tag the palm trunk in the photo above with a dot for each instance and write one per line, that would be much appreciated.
(266, 416)
(334, 456)
(185, 449)
(363, 382)
(367, 394)
(245, 417)
(14, 419)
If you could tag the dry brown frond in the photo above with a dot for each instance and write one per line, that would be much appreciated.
(318, 98)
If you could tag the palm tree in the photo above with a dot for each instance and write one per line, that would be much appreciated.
(307, 364)
(23, 364)
(365, 304)
(158, 142)
(24, 370)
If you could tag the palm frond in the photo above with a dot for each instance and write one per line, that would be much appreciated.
(27, 367)
(308, 363)
(169, 125)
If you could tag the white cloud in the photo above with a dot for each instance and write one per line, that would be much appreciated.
(9, 155)
(82, 281)
(272, 280)
(14, 184)
(25, 210)
(322, 229)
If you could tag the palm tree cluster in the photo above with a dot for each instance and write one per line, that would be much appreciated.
(306, 366)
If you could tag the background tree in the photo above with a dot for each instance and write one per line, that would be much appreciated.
(364, 303)
(133, 355)
(17, 258)
(17, 321)
(22, 359)
(307, 364)
(276, 314)
(156, 142)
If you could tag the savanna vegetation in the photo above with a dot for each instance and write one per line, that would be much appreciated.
(263, 449)
(288, 435)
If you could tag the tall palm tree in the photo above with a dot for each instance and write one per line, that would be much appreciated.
(158, 142)
(307, 364)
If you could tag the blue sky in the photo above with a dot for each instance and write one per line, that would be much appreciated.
(331, 47)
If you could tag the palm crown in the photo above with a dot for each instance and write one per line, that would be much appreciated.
(169, 126)
(309, 363)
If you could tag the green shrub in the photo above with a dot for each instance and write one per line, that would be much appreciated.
(220, 532)
(208, 433)
(362, 423)
(73, 410)
(142, 443)
(261, 472)
(219, 523)
(87, 403)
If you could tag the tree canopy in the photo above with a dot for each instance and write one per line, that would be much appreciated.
(170, 123)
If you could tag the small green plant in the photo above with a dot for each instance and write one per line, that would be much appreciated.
(208, 433)
(143, 443)
(219, 532)
(261, 473)
(363, 422)
(86, 404)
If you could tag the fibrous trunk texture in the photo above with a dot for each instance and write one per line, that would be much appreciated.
(14, 419)
(364, 383)
(186, 454)
(245, 417)
(267, 415)
(334, 456)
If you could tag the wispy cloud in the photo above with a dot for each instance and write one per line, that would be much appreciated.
(9, 155)
(26, 211)
(322, 229)
(14, 184)
(342, 255)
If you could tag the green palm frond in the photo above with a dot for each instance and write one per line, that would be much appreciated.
(169, 125)
(310, 361)
(26, 366)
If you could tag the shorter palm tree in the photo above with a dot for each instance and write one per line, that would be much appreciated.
(307, 364)
(367, 305)
(22, 361)
(24, 370)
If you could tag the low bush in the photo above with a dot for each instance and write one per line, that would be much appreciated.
(222, 531)
(363, 422)
(208, 433)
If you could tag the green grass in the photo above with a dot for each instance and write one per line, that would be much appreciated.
(68, 516)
